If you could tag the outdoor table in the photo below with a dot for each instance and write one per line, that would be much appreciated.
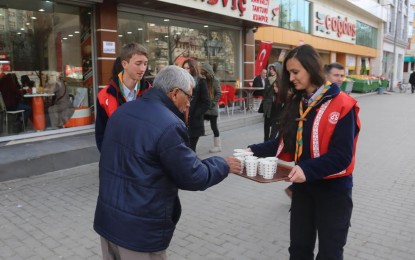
(38, 110)
(249, 92)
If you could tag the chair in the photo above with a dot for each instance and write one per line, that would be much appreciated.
(3, 109)
(232, 98)
(223, 101)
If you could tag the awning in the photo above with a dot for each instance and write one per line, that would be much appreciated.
(409, 59)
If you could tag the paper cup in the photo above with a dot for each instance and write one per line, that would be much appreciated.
(251, 157)
(272, 159)
(238, 154)
(248, 153)
(269, 169)
(261, 165)
(251, 167)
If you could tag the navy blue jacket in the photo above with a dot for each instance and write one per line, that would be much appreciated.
(144, 161)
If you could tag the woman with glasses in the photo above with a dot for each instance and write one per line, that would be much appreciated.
(199, 104)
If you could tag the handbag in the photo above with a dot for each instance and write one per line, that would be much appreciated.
(261, 107)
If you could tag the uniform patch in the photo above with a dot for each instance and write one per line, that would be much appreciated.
(334, 117)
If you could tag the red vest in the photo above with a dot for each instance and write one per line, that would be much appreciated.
(324, 124)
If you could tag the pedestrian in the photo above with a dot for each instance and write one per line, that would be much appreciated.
(215, 92)
(127, 83)
(260, 81)
(145, 159)
(319, 130)
(199, 104)
(412, 81)
(335, 74)
(271, 104)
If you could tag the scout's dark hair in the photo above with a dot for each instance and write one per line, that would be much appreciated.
(334, 65)
(311, 61)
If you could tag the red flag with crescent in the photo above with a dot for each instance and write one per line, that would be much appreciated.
(262, 57)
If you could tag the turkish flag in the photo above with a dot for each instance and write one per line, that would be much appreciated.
(262, 57)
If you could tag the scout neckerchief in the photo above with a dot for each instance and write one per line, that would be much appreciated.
(302, 118)
(121, 84)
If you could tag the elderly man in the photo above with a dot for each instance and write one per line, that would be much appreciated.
(145, 159)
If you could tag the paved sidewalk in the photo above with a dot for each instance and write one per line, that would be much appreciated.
(50, 216)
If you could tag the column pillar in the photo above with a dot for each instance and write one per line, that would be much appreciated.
(249, 57)
(106, 23)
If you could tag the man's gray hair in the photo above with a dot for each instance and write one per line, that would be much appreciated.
(173, 77)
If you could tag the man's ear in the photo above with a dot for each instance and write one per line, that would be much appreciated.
(124, 63)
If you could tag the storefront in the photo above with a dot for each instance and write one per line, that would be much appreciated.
(338, 32)
(43, 43)
(76, 42)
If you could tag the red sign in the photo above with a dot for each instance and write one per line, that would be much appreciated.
(262, 57)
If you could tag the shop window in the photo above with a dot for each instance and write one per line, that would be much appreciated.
(366, 35)
(172, 41)
(295, 15)
(41, 43)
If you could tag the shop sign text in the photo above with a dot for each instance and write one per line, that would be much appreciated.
(337, 25)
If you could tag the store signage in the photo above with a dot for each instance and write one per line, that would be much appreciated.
(329, 24)
(260, 11)
(108, 47)
(263, 56)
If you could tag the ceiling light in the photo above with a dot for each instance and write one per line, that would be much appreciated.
(64, 38)
(129, 32)
(166, 36)
(33, 18)
(70, 35)
(21, 29)
(147, 40)
(140, 29)
(206, 26)
(120, 35)
(156, 39)
(166, 20)
(19, 33)
(151, 24)
(76, 31)
(190, 30)
(41, 10)
(27, 23)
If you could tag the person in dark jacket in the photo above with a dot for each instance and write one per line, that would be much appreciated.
(319, 131)
(260, 81)
(199, 104)
(412, 81)
(127, 84)
(271, 104)
(212, 114)
(145, 159)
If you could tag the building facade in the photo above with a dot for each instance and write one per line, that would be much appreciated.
(78, 41)
(340, 30)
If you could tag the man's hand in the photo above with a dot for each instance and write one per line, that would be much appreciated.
(234, 164)
(296, 174)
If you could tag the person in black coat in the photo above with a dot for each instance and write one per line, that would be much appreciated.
(260, 81)
(198, 106)
(412, 81)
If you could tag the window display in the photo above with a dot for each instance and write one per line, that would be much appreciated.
(172, 41)
(44, 42)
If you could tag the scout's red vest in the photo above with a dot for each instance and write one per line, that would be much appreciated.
(328, 114)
